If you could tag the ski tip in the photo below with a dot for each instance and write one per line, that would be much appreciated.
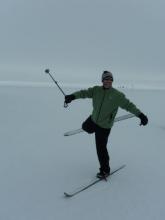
(124, 165)
(67, 134)
(67, 195)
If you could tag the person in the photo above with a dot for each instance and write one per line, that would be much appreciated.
(106, 101)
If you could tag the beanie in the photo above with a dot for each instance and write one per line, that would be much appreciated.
(107, 74)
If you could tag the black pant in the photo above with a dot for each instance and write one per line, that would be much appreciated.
(101, 138)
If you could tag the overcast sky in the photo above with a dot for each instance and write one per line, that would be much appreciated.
(75, 37)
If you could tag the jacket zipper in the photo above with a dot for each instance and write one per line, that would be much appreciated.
(100, 107)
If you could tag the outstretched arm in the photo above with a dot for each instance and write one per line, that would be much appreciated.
(88, 93)
(129, 106)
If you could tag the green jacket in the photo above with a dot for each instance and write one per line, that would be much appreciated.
(106, 103)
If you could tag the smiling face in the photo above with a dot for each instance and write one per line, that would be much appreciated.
(107, 83)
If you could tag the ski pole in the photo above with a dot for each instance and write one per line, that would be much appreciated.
(47, 71)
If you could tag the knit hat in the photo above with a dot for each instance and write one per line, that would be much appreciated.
(107, 75)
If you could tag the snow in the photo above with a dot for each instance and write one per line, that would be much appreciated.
(37, 163)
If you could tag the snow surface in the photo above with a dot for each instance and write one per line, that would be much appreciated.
(37, 163)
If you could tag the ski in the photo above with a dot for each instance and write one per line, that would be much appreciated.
(93, 182)
(120, 118)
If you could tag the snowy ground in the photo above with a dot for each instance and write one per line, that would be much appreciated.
(37, 163)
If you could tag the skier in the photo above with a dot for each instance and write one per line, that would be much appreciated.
(106, 101)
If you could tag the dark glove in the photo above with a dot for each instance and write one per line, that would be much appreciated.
(143, 118)
(69, 98)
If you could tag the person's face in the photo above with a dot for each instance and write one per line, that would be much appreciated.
(107, 83)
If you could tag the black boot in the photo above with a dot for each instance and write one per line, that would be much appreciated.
(103, 174)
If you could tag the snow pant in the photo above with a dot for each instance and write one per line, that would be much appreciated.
(101, 138)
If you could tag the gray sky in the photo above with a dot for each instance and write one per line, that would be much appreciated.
(76, 37)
